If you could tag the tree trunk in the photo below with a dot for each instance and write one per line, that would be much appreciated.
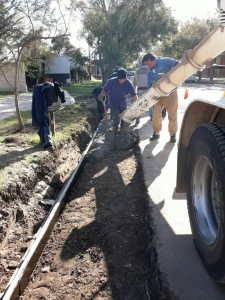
(16, 94)
(21, 126)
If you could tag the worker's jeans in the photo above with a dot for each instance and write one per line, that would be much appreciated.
(171, 104)
(115, 116)
(100, 108)
(44, 132)
(151, 112)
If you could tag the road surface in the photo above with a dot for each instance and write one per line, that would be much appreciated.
(7, 105)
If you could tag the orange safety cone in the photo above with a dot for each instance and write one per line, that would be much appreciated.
(186, 94)
(224, 93)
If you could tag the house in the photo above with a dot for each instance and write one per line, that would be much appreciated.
(216, 68)
(7, 76)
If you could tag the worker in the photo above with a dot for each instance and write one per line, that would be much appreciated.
(158, 67)
(151, 112)
(140, 83)
(118, 88)
(44, 95)
(114, 73)
(100, 106)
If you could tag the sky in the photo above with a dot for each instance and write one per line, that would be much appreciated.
(181, 10)
(185, 10)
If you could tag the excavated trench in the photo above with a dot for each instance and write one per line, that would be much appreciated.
(101, 246)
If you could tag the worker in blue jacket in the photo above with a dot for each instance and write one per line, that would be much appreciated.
(157, 68)
(118, 88)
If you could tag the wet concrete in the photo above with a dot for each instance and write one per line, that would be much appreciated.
(106, 140)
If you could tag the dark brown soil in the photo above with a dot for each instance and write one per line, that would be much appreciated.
(101, 246)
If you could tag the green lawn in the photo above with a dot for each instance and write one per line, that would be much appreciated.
(75, 89)
(67, 120)
(5, 94)
(84, 88)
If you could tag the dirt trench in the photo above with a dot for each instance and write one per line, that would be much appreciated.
(30, 187)
(102, 245)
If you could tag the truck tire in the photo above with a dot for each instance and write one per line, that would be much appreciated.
(206, 196)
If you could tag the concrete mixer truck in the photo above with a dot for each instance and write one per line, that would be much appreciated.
(201, 150)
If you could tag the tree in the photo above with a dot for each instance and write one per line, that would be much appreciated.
(62, 45)
(189, 35)
(27, 22)
(118, 30)
(79, 61)
(36, 61)
(77, 57)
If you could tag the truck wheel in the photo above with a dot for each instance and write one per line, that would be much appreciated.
(206, 196)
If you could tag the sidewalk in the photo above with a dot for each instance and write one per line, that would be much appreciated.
(181, 267)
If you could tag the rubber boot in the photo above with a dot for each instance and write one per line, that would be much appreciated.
(125, 127)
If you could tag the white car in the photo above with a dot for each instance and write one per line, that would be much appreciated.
(130, 76)
(192, 79)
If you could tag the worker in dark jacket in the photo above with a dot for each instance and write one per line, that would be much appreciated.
(40, 118)
(44, 95)
(100, 105)
(114, 73)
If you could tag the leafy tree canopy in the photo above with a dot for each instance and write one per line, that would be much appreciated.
(189, 36)
(78, 58)
(62, 45)
(119, 30)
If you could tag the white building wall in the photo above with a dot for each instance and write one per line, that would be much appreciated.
(9, 74)
(58, 64)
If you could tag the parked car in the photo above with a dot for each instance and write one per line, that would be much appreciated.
(192, 79)
(130, 76)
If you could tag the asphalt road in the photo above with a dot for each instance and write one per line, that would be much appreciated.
(179, 262)
(7, 105)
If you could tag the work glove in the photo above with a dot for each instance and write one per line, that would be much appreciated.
(101, 97)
